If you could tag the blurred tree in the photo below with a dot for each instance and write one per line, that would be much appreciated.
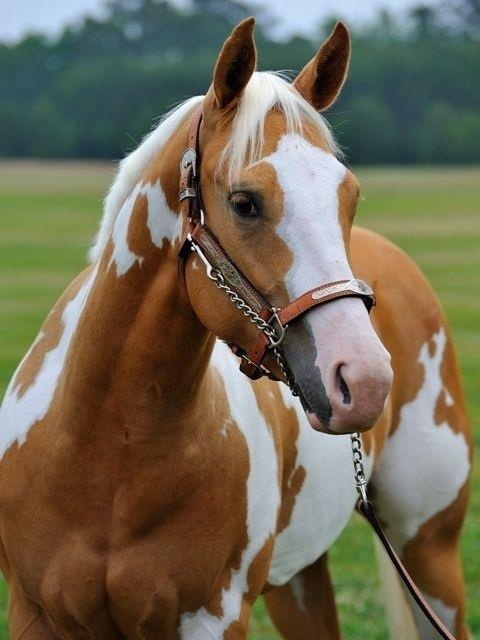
(424, 18)
(412, 94)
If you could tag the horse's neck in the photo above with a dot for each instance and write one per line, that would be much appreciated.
(139, 350)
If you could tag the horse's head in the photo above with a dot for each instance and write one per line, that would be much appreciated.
(282, 206)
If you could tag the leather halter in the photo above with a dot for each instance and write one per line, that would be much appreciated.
(199, 238)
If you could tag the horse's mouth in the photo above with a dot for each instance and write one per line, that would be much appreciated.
(315, 422)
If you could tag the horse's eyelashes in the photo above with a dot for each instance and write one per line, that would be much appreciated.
(244, 205)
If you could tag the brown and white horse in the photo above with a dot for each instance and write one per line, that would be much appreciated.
(148, 490)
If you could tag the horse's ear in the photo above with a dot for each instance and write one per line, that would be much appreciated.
(235, 64)
(321, 80)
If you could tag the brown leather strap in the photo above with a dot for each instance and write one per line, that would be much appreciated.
(326, 293)
(253, 359)
(368, 512)
(189, 195)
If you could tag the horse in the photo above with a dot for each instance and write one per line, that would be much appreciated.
(150, 490)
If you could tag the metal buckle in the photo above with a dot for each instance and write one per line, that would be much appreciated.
(189, 192)
(208, 265)
(279, 329)
(189, 159)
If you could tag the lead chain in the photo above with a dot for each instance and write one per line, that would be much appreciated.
(358, 468)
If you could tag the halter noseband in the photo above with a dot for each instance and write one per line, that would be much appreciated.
(272, 322)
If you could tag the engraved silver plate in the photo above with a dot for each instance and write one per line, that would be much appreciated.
(229, 272)
(189, 158)
(355, 286)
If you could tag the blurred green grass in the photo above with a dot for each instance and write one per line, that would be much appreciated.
(49, 213)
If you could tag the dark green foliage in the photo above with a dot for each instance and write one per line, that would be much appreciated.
(95, 91)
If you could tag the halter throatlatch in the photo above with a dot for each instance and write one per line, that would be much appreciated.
(272, 322)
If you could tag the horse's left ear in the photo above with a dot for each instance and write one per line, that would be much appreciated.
(321, 80)
(235, 64)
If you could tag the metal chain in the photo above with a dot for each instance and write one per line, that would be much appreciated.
(288, 375)
(358, 469)
(247, 311)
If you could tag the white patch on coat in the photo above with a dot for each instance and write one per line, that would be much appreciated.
(226, 426)
(449, 401)
(298, 591)
(309, 178)
(122, 257)
(423, 465)
(263, 497)
(325, 502)
(132, 167)
(19, 413)
(448, 615)
(162, 223)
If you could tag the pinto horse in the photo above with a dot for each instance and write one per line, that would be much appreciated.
(149, 490)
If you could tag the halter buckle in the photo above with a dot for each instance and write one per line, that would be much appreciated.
(189, 159)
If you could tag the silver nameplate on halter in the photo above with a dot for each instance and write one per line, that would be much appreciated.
(189, 158)
(355, 286)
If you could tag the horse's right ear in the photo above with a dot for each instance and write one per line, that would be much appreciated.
(235, 64)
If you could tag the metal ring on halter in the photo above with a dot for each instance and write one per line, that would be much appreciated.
(279, 328)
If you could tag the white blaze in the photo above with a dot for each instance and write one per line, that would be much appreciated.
(309, 178)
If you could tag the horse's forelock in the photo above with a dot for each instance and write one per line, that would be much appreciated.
(264, 92)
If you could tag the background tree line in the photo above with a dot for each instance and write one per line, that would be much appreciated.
(413, 94)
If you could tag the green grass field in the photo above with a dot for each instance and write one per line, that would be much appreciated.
(49, 212)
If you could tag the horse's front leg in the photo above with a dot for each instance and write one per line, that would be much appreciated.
(26, 620)
(305, 607)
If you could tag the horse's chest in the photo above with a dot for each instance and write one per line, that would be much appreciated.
(322, 501)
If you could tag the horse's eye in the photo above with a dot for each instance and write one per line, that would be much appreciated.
(243, 205)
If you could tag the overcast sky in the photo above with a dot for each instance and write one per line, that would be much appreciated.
(20, 16)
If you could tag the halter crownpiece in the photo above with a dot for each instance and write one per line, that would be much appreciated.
(272, 322)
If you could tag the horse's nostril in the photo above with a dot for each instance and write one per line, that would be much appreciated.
(343, 386)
